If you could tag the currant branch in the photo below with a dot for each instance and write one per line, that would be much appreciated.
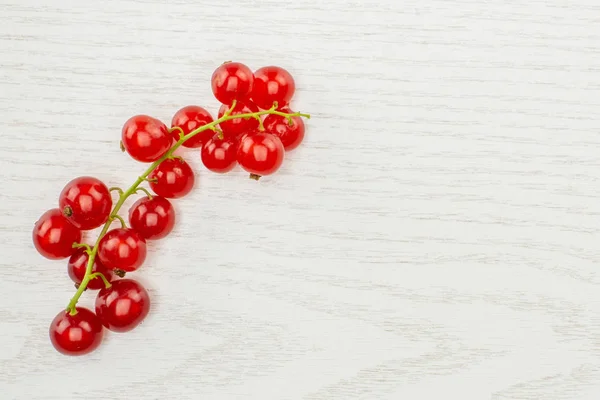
(256, 141)
(135, 187)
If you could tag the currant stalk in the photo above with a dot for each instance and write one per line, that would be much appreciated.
(134, 188)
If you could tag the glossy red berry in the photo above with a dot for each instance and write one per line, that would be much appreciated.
(78, 264)
(145, 138)
(152, 218)
(290, 135)
(77, 334)
(122, 306)
(237, 126)
(232, 81)
(260, 153)
(122, 249)
(272, 84)
(172, 178)
(219, 155)
(189, 118)
(53, 235)
(86, 202)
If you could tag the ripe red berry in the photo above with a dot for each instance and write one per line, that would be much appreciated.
(237, 126)
(146, 139)
(219, 155)
(53, 235)
(86, 202)
(232, 81)
(78, 264)
(122, 306)
(152, 218)
(77, 334)
(272, 84)
(290, 135)
(123, 249)
(172, 178)
(260, 153)
(189, 118)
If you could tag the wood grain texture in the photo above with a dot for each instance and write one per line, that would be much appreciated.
(436, 236)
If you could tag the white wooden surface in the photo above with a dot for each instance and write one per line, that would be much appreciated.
(436, 236)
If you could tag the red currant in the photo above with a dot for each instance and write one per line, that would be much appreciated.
(146, 139)
(188, 119)
(237, 126)
(152, 218)
(77, 334)
(291, 135)
(122, 306)
(78, 264)
(123, 249)
(272, 84)
(86, 202)
(172, 178)
(219, 155)
(260, 153)
(232, 81)
(53, 235)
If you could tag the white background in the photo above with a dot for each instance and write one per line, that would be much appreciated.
(435, 237)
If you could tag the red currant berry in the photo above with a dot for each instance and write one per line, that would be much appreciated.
(237, 126)
(53, 235)
(77, 334)
(172, 178)
(122, 306)
(86, 202)
(78, 264)
(188, 119)
(219, 155)
(146, 139)
(291, 135)
(260, 153)
(123, 249)
(272, 84)
(152, 218)
(232, 81)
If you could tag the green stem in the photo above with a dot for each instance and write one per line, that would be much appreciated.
(142, 189)
(135, 186)
(261, 127)
(177, 128)
(82, 245)
(121, 220)
(101, 275)
(116, 189)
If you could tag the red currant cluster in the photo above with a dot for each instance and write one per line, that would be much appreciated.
(254, 128)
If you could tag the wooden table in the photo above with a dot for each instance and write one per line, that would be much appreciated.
(435, 237)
